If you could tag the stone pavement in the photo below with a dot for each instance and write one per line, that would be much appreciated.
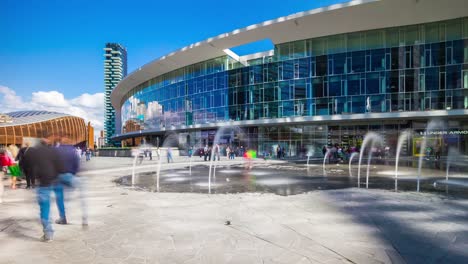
(339, 226)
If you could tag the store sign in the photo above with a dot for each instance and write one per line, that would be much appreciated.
(443, 132)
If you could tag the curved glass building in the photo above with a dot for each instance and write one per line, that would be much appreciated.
(334, 74)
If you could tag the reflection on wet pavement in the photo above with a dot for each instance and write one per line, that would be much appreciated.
(290, 179)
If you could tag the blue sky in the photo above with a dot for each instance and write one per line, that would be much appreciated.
(57, 45)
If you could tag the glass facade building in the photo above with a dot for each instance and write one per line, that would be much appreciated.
(330, 90)
(115, 69)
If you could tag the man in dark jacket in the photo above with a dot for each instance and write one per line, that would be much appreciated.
(70, 165)
(43, 163)
(30, 181)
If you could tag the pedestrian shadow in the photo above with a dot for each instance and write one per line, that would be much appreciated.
(19, 228)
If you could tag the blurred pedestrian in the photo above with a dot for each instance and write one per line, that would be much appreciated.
(14, 169)
(228, 152)
(5, 162)
(205, 152)
(8, 164)
(70, 164)
(190, 152)
(88, 154)
(169, 155)
(43, 162)
(30, 181)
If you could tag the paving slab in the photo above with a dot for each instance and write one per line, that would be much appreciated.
(329, 226)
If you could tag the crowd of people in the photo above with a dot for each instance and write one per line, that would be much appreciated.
(53, 163)
(219, 150)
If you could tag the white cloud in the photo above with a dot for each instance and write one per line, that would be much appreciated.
(49, 99)
(90, 100)
(10, 101)
(90, 107)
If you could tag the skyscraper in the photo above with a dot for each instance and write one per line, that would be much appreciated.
(115, 69)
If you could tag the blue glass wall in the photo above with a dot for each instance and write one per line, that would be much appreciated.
(412, 68)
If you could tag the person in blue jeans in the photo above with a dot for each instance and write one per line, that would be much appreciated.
(43, 162)
(169, 155)
(67, 178)
(88, 154)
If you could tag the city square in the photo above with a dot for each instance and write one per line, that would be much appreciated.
(133, 225)
(326, 131)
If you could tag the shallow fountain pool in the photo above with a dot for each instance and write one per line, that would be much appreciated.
(286, 180)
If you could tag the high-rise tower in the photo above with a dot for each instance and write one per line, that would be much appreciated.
(115, 69)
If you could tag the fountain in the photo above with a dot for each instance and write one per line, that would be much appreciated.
(190, 164)
(354, 154)
(135, 154)
(430, 126)
(452, 152)
(218, 134)
(369, 137)
(327, 154)
(404, 136)
(310, 152)
(369, 158)
(168, 142)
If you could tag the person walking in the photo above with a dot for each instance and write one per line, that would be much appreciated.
(30, 181)
(43, 162)
(169, 155)
(69, 167)
(437, 152)
(190, 152)
(205, 152)
(15, 172)
(88, 154)
(1, 183)
(5, 162)
(8, 164)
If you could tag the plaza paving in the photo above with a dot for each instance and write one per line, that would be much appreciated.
(329, 226)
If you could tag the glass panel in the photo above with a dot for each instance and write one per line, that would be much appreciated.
(374, 39)
(334, 86)
(432, 32)
(318, 46)
(411, 35)
(432, 79)
(465, 27)
(358, 60)
(378, 60)
(299, 49)
(372, 83)
(453, 29)
(354, 41)
(392, 37)
(453, 77)
(336, 44)
(339, 61)
(354, 85)
(465, 79)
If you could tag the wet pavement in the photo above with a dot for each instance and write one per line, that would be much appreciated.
(292, 179)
